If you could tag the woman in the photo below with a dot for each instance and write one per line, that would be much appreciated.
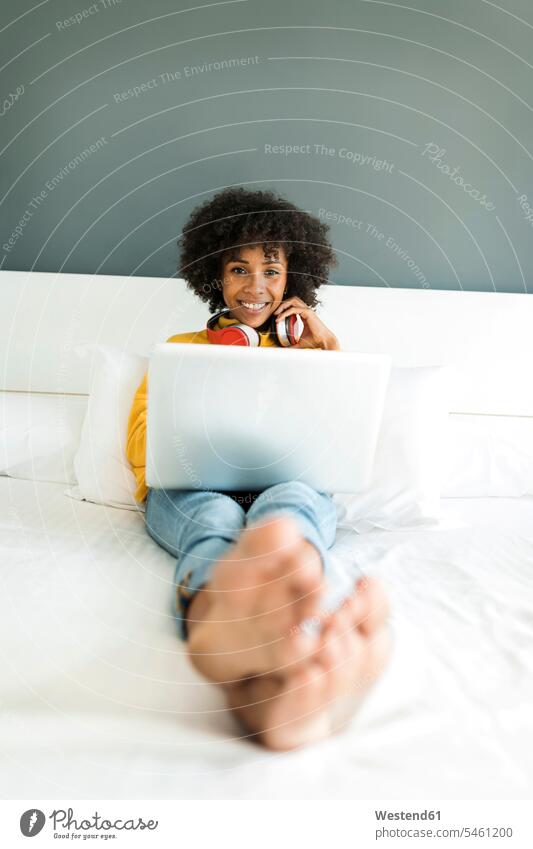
(251, 567)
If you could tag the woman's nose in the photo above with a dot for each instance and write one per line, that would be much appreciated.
(255, 281)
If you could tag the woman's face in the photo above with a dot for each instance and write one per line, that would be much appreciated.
(253, 283)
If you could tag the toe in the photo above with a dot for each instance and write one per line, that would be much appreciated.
(328, 654)
(343, 653)
(307, 602)
(372, 606)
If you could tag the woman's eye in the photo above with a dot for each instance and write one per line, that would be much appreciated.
(270, 272)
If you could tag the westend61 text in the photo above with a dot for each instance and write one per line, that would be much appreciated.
(407, 815)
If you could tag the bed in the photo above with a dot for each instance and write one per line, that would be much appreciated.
(97, 697)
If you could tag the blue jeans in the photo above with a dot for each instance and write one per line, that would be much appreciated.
(198, 526)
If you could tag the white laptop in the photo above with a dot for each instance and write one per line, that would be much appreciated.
(227, 417)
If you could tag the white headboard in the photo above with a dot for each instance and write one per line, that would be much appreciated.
(488, 337)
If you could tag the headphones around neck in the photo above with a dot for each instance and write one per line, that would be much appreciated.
(286, 332)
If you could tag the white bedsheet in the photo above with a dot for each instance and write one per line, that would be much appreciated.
(97, 699)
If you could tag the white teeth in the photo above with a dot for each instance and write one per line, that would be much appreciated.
(255, 307)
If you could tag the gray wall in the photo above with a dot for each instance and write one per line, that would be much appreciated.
(391, 107)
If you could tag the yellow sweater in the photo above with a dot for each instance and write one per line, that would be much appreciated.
(136, 438)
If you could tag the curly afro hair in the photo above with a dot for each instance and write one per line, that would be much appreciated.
(236, 217)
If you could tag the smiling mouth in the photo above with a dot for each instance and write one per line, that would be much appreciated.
(253, 306)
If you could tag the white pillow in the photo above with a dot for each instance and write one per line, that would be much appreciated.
(102, 469)
(39, 435)
(410, 459)
(489, 456)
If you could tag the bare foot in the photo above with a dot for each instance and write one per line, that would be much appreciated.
(243, 623)
(304, 704)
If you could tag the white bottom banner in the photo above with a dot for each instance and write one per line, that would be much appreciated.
(268, 825)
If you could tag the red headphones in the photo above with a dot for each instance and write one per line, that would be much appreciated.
(286, 332)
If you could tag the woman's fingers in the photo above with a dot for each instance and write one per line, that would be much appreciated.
(291, 302)
(315, 332)
(291, 311)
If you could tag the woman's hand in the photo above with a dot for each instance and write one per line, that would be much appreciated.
(315, 333)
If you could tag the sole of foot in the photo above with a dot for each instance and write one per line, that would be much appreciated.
(319, 696)
(260, 591)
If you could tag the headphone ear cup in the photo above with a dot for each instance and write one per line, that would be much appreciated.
(239, 334)
(289, 330)
(252, 336)
(234, 334)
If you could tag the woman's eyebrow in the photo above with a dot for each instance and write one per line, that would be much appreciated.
(265, 262)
